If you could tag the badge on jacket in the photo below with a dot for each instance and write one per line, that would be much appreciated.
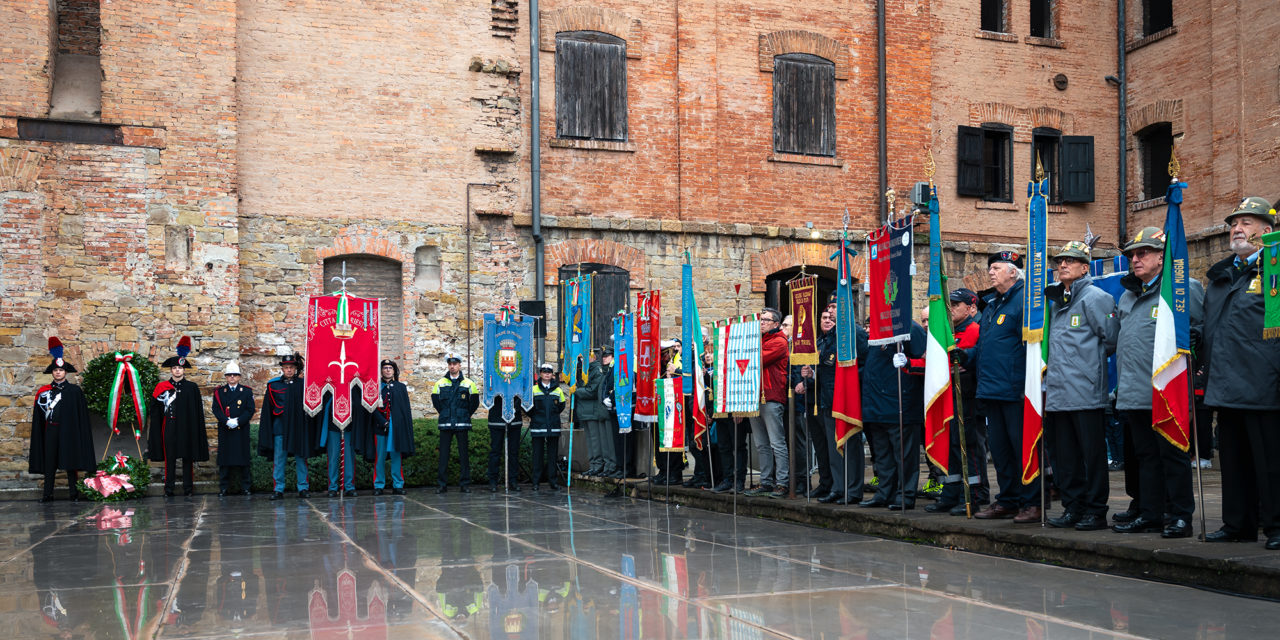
(1075, 319)
(1255, 285)
(1154, 309)
(1000, 319)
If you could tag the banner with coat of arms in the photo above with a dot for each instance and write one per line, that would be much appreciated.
(575, 359)
(889, 265)
(648, 355)
(508, 362)
(342, 351)
(623, 369)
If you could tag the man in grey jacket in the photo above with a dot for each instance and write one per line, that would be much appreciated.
(1082, 331)
(1244, 373)
(1164, 470)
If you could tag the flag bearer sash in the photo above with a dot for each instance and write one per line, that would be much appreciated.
(890, 270)
(736, 345)
(575, 359)
(508, 362)
(341, 352)
(623, 370)
(669, 393)
(648, 354)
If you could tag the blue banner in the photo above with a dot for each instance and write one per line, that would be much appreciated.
(575, 360)
(623, 369)
(1033, 309)
(846, 347)
(1175, 288)
(508, 363)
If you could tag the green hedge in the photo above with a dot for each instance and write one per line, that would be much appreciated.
(419, 469)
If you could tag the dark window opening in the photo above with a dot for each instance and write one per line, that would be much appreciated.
(591, 86)
(374, 277)
(1157, 15)
(610, 293)
(1045, 145)
(1155, 144)
(77, 132)
(804, 105)
(1042, 18)
(778, 295)
(997, 163)
(993, 15)
(76, 92)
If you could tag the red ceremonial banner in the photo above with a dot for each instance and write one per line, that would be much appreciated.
(342, 351)
(804, 332)
(648, 360)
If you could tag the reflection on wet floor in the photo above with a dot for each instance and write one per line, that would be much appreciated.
(484, 566)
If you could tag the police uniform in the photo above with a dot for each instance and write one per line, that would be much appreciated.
(455, 399)
(544, 427)
(233, 409)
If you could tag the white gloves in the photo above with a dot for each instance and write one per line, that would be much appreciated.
(607, 402)
(233, 423)
(899, 360)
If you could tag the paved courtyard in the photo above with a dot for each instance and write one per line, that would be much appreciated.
(542, 566)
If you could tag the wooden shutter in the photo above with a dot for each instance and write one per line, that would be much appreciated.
(1077, 168)
(591, 86)
(969, 161)
(804, 105)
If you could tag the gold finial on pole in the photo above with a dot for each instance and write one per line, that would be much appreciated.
(930, 167)
(891, 196)
(1039, 169)
(1175, 167)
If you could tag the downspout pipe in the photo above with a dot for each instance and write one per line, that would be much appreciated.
(882, 151)
(535, 167)
(1122, 126)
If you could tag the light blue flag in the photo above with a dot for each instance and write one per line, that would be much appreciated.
(508, 362)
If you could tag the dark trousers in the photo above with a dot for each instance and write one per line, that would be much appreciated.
(1004, 435)
(811, 432)
(670, 463)
(699, 454)
(72, 479)
(504, 442)
(1080, 459)
(975, 444)
(847, 467)
(1204, 429)
(545, 449)
(1249, 448)
(890, 454)
(735, 438)
(624, 447)
(1165, 484)
(188, 475)
(447, 436)
(1132, 465)
(243, 473)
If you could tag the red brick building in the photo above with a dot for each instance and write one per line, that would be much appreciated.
(200, 169)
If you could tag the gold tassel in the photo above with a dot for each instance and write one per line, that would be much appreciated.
(1271, 333)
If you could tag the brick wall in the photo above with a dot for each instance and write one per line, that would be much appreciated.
(27, 45)
(79, 26)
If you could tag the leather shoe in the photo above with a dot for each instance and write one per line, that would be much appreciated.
(1179, 528)
(996, 512)
(246, 492)
(304, 494)
(1141, 524)
(872, 503)
(1222, 535)
(1065, 521)
(1092, 522)
(278, 495)
(442, 489)
(939, 507)
(514, 488)
(829, 498)
(333, 493)
(350, 493)
(1127, 515)
(722, 487)
(222, 493)
(397, 492)
(898, 506)
(1273, 543)
(46, 498)
(464, 489)
(377, 492)
(1027, 515)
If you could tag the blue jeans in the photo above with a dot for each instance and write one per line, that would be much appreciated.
(342, 459)
(380, 465)
(281, 457)
(769, 431)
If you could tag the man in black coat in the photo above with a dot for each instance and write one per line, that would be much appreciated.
(504, 442)
(60, 436)
(593, 417)
(285, 429)
(392, 432)
(455, 397)
(894, 446)
(177, 423)
(233, 408)
(1244, 373)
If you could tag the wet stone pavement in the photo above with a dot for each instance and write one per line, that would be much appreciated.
(542, 566)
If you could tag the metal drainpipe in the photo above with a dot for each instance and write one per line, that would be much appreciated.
(535, 166)
(1123, 125)
(881, 108)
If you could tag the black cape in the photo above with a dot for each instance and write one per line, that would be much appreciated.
(177, 429)
(61, 439)
(233, 444)
(393, 418)
(282, 410)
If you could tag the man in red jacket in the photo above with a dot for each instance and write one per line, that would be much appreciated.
(768, 430)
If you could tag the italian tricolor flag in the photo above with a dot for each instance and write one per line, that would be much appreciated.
(939, 404)
(670, 401)
(1170, 389)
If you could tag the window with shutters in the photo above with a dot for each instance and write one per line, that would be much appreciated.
(984, 162)
(804, 105)
(993, 16)
(1155, 146)
(591, 86)
(374, 277)
(1045, 144)
(1042, 19)
(1157, 15)
(1075, 159)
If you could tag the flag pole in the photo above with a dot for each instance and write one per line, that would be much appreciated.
(890, 195)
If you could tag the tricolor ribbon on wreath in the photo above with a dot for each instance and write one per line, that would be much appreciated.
(126, 379)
